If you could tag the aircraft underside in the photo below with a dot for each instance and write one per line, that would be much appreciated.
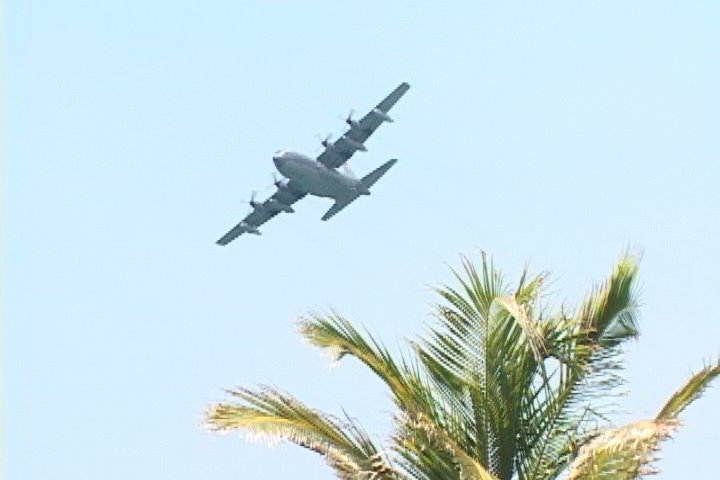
(316, 179)
(319, 176)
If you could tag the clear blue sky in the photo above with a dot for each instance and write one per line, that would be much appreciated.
(552, 135)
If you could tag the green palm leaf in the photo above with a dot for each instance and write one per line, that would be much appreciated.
(419, 410)
(690, 392)
(587, 349)
(335, 334)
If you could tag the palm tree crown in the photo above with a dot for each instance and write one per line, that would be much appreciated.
(498, 389)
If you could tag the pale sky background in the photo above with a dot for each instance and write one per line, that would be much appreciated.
(551, 135)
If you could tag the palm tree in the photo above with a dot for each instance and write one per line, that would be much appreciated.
(500, 388)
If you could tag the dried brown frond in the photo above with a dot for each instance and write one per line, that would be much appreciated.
(624, 452)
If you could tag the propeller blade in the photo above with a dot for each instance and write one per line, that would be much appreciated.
(347, 118)
(253, 204)
(277, 183)
(324, 142)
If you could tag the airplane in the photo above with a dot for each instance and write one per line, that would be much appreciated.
(320, 176)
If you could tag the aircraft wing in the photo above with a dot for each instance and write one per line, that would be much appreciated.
(287, 195)
(342, 149)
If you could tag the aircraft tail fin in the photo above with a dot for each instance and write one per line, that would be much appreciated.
(369, 180)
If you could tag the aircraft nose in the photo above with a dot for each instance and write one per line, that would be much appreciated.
(279, 159)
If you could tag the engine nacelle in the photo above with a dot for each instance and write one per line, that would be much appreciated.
(382, 115)
(279, 183)
(279, 206)
(353, 124)
(354, 144)
(250, 228)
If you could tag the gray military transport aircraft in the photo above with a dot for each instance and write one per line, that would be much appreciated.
(320, 177)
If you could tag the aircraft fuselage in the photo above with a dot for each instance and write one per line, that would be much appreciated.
(315, 178)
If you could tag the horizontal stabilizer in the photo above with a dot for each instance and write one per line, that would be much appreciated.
(366, 182)
(372, 177)
(339, 205)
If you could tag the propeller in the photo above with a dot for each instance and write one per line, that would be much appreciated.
(253, 204)
(325, 142)
(277, 183)
(352, 123)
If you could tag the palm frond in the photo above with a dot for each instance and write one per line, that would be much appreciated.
(425, 435)
(481, 291)
(609, 314)
(272, 416)
(587, 347)
(424, 463)
(456, 356)
(629, 452)
(337, 335)
(412, 395)
(508, 307)
(690, 392)
(622, 453)
(483, 356)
